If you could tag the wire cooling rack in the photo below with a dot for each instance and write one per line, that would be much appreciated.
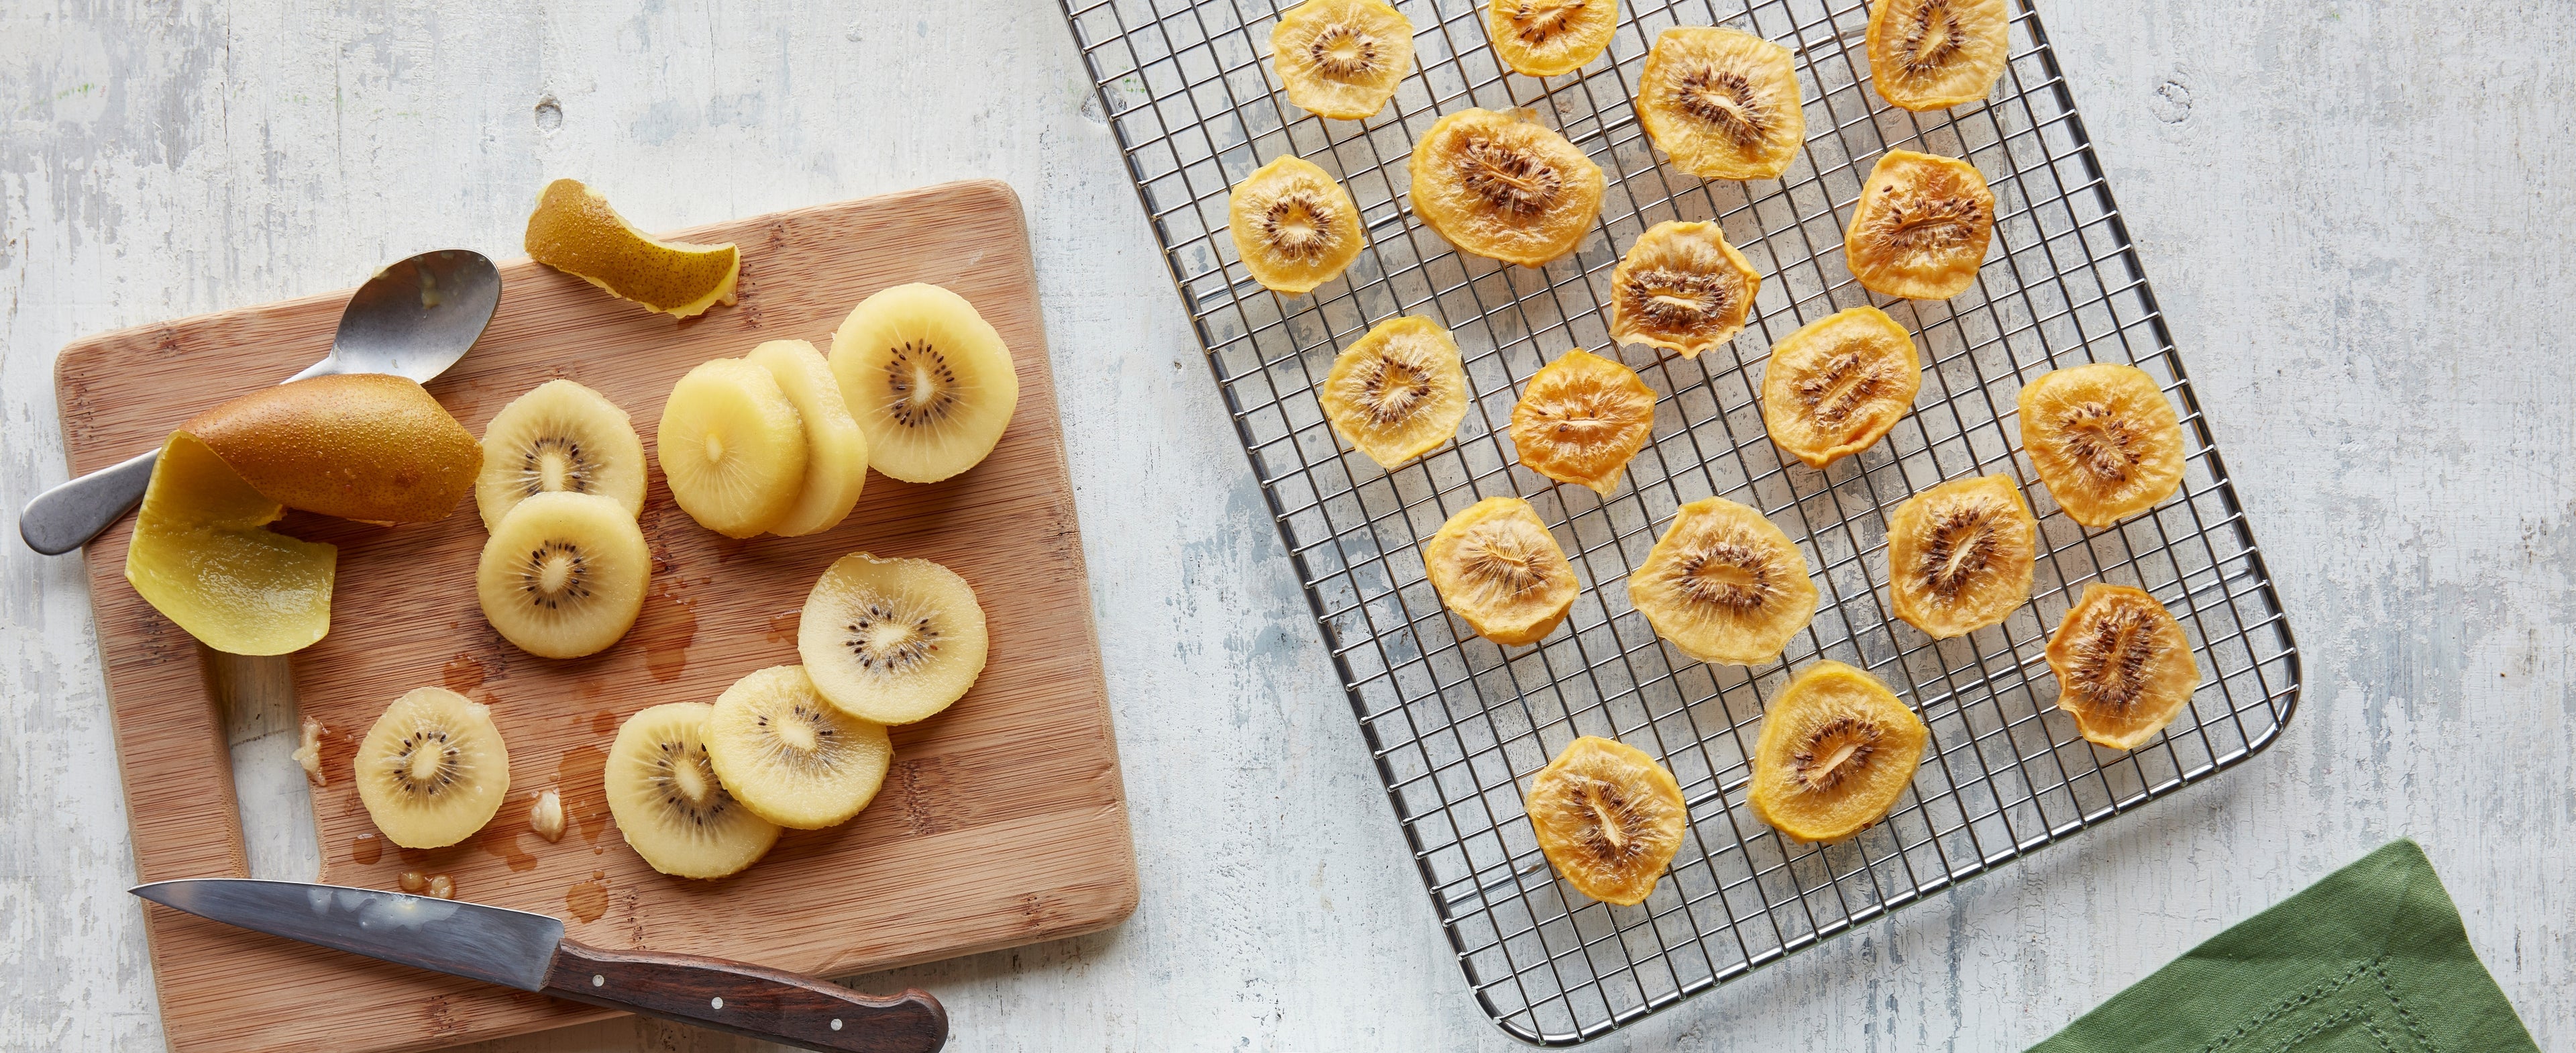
(1456, 724)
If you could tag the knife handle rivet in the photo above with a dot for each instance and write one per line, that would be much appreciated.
(715, 1003)
(836, 1023)
(597, 980)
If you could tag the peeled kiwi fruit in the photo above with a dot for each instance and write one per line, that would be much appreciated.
(929, 379)
(1608, 818)
(2103, 439)
(1921, 227)
(1959, 555)
(1838, 384)
(793, 758)
(560, 436)
(1837, 750)
(668, 803)
(891, 640)
(202, 555)
(1683, 288)
(1581, 418)
(1503, 186)
(1342, 58)
(1724, 585)
(1724, 103)
(836, 451)
(433, 769)
(732, 448)
(1293, 226)
(1495, 565)
(1397, 392)
(1543, 38)
(1934, 54)
(563, 575)
(2124, 669)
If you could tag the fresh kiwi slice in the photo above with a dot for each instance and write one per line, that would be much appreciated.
(1681, 287)
(1921, 227)
(929, 380)
(1724, 103)
(563, 575)
(1608, 818)
(1959, 555)
(1837, 750)
(665, 797)
(836, 451)
(891, 640)
(1934, 54)
(1838, 384)
(1503, 186)
(1397, 392)
(2124, 668)
(433, 769)
(1293, 226)
(792, 757)
(1581, 418)
(1724, 585)
(732, 447)
(1543, 38)
(2104, 440)
(559, 436)
(1342, 58)
(1496, 565)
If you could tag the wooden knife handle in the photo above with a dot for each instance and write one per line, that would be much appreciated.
(748, 1000)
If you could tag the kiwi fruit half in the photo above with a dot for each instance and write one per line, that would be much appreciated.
(560, 436)
(1921, 227)
(1503, 186)
(836, 451)
(793, 758)
(2124, 669)
(1681, 287)
(1934, 54)
(1544, 38)
(1581, 418)
(929, 380)
(1838, 384)
(732, 448)
(563, 575)
(1724, 585)
(1342, 58)
(2103, 439)
(433, 769)
(1608, 818)
(1397, 392)
(891, 640)
(1837, 749)
(1495, 565)
(1959, 555)
(1293, 226)
(665, 797)
(1723, 102)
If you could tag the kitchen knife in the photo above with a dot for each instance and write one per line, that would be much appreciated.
(515, 948)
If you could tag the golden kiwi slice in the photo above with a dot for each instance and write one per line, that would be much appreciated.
(1933, 54)
(1838, 384)
(1608, 818)
(1837, 750)
(1543, 38)
(667, 802)
(433, 769)
(2124, 669)
(1505, 187)
(559, 436)
(1581, 418)
(1724, 103)
(1724, 585)
(1495, 565)
(892, 640)
(1683, 288)
(792, 757)
(1921, 227)
(1398, 392)
(1294, 227)
(930, 381)
(1959, 555)
(563, 574)
(2104, 440)
(836, 451)
(732, 447)
(1342, 58)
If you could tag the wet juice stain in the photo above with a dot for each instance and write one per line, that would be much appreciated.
(589, 899)
(585, 798)
(782, 625)
(669, 630)
(462, 673)
(366, 849)
(503, 844)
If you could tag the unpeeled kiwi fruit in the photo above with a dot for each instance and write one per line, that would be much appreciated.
(1934, 54)
(891, 640)
(1581, 418)
(2124, 668)
(1681, 287)
(1724, 585)
(363, 446)
(1837, 750)
(1495, 565)
(792, 757)
(1921, 227)
(2103, 439)
(929, 380)
(1293, 226)
(665, 797)
(1397, 392)
(560, 436)
(836, 451)
(1499, 184)
(1543, 38)
(1609, 818)
(1342, 58)
(1723, 102)
(563, 575)
(732, 448)
(1838, 384)
(1959, 555)
(433, 769)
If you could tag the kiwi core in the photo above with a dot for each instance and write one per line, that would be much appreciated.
(889, 639)
(1839, 749)
(923, 385)
(1727, 574)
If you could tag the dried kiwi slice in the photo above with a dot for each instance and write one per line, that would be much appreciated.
(1294, 227)
(1342, 58)
(2124, 669)
(1495, 565)
(1724, 585)
(2104, 440)
(1934, 54)
(1837, 750)
(1838, 384)
(1608, 818)
(1505, 187)
(1683, 288)
(1921, 227)
(1543, 38)
(1581, 418)
(1959, 555)
(1398, 392)
(1724, 103)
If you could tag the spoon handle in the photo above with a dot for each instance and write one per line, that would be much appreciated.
(67, 516)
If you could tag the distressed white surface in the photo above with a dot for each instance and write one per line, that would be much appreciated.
(2353, 215)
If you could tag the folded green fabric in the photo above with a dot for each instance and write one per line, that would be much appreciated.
(2370, 960)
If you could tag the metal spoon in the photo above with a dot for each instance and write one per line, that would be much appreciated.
(413, 319)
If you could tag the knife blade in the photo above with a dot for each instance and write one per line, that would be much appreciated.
(515, 948)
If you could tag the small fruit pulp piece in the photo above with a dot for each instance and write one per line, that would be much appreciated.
(891, 641)
(362, 446)
(930, 381)
(1724, 103)
(1959, 555)
(1293, 226)
(1398, 392)
(2103, 439)
(1608, 818)
(1342, 58)
(1838, 384)
(1724, 585)
(732, 448)
(1837, 750)
(1581, 418)
(2124, 669)
(202, 555)
(1545, 38)
(1921, 227)
(1935, 54)
(1503, 186)
(563, 576)
(546, 817)
(791, 756)
(560, 436)
(1682, 288)
(1495, 565)
(432, 769)
(574, 231)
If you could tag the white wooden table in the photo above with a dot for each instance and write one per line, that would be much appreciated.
(2354, 214)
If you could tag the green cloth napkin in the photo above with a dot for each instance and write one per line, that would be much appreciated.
(2370, 960)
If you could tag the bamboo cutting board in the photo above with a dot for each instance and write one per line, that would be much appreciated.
(1001, 823)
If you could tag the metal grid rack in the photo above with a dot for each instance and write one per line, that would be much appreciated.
(1457, 724)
